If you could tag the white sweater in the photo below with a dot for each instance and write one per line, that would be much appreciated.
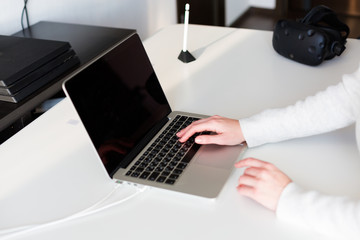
(336, 107)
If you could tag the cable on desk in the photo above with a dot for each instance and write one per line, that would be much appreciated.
(25, 12)
(12, 232)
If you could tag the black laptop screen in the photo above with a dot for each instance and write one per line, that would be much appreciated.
(119, 100)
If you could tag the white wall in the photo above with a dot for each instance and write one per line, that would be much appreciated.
(234, 8)
(147, 16)
(271, 4)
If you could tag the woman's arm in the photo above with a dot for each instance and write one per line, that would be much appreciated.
(326, 111)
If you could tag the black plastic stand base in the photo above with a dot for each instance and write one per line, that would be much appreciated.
(186, 57)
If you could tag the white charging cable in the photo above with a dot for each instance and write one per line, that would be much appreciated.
(12, 232)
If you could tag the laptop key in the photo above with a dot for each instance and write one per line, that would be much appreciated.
(170, 181)
(161, 179)
(177, 171)
(144, 175)
(153, 176)
(174, 176)
(165, 173)
(182, 165)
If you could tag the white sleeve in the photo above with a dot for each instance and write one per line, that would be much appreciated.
(336, 107)
(330, 215)
(328, 110)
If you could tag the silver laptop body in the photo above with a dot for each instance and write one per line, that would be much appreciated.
(124, 110)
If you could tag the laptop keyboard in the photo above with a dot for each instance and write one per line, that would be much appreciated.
(165, 160)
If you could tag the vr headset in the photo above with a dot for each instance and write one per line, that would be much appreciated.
(319, 36)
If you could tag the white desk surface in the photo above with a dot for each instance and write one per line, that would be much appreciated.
(49, 171)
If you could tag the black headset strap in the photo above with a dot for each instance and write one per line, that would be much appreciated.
(324, 14)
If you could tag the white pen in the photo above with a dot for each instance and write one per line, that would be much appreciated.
(185, 56)
(186, 26)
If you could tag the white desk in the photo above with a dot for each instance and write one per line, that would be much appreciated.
(48, 170)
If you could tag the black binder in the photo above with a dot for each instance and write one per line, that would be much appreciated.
(26, 64)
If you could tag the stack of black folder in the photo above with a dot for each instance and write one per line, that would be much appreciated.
(27, 64)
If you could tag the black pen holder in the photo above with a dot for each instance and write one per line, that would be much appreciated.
(186, 57)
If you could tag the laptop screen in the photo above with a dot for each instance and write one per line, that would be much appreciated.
(119, 100)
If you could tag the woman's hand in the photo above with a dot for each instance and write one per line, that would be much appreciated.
(262, 181)
(228, 131)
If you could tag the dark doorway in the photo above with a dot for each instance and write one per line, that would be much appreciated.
(205, 12)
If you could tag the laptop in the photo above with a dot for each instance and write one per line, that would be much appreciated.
(132, 127)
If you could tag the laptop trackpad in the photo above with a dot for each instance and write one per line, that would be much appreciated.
(218, 156)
